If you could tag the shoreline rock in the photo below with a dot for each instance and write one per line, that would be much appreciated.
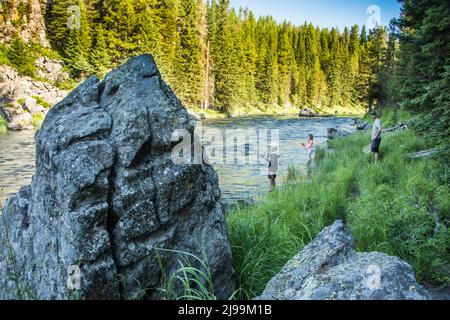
(329, 268)
(333, 133)
(308, 113)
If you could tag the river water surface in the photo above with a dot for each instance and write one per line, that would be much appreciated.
(237, 181)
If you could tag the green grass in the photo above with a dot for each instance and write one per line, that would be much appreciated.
(69, 84)
(3, 125)
(37, 120)
(4, 55)
(188, 282)
(42, 102)
(389, 207)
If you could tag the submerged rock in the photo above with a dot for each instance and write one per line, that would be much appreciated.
(107, 203)
(333, 133)
(329, 268)
(360, 124)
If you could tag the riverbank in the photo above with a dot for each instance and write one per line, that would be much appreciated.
(337, 111)
(399, 206)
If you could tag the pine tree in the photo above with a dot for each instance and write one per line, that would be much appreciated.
(267, 65)
(166, 15)
(77, 43)
(119, 21)
(58, 19)
(21, 56)
(424, 68)
(206, 60)
(335, 81)
(215, 56)
(224, 62)
(99, 56)
(249, 57)
(285, 63)
(147, 28)
(188, 57)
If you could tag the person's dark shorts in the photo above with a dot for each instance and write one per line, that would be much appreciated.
(376, 145)
(272, 176)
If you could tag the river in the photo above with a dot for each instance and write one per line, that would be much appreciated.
(237, 181)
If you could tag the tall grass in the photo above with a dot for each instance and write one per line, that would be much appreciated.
(191, 281)
(392, 207)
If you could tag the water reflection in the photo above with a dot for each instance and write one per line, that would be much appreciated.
(16, 161)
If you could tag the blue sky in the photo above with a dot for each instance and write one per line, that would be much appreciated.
(323, 13)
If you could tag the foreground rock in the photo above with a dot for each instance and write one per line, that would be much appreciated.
(18, 98)
(330, 269)
(108, 200)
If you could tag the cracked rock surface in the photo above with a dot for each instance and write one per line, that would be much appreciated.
(106, 197)
(329, 268)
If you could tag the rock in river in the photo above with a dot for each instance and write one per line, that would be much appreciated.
(107, 205)
(329, 268)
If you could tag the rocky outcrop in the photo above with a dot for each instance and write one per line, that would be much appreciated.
(49, 69)
(108, 203)
(308, 113)
(24, 18)
(18, 98)
(329, 268)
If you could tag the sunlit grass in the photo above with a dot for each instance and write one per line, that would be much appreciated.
(3, 125)
(391, 207)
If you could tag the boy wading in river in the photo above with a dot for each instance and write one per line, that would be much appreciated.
(376, 135)
(274, 160)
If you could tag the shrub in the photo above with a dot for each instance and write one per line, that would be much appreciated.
(37, 120)
(21, 57)
(4, 54)
(42, 102)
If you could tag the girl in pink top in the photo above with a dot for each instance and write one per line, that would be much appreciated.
(310, 147)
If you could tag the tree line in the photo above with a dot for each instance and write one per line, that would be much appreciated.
(217, 57)
(419, 78)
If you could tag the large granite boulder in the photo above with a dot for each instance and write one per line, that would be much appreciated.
(329, 268)
(107, 203)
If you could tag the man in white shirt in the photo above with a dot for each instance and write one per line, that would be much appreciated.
(376, 135)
